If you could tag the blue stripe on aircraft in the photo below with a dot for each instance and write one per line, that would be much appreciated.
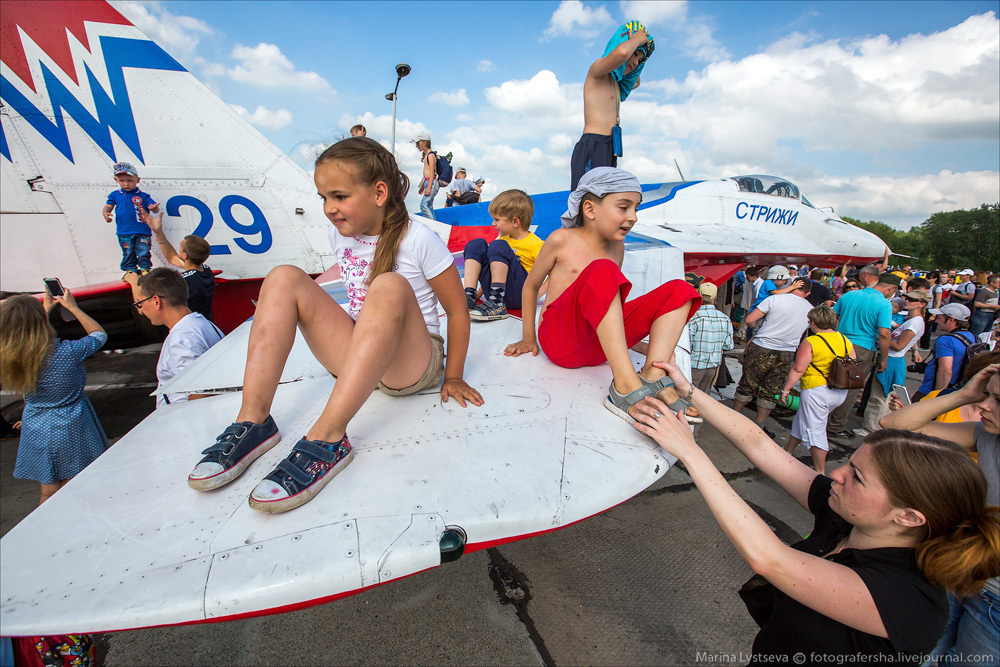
(549, 207)
(113, 113)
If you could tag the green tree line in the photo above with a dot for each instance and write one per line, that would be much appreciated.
(952, 239)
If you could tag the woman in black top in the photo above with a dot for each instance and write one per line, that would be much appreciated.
(902, 522)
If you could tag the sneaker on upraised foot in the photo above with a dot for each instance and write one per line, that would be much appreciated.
(234, 450)
(488, 311)
(301, 475)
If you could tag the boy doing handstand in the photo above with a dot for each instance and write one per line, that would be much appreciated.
(502, 266)
(585, 319)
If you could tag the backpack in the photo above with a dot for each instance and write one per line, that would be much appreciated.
(971, 350)
(443, 168)
(845, 372)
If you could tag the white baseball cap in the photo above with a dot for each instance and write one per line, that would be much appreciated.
(423, 136)
(966, 272)
(778, 273)
(956, 311)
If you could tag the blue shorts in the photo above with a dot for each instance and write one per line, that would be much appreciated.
(498, 251)
(593, 150)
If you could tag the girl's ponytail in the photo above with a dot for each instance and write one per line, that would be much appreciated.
(372, 162)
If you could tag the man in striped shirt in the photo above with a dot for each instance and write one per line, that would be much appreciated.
(711, 333)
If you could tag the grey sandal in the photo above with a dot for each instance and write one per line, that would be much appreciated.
(680, 404)
(619, 404)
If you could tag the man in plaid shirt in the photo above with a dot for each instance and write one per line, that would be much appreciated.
(711, 333)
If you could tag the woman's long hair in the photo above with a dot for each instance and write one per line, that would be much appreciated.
(26, 339)
(371, 163)
(959, 546)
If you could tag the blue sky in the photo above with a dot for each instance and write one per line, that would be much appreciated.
(884, 110)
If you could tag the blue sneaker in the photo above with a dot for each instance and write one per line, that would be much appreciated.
(300, 476)
(238, 446)
(488, 311)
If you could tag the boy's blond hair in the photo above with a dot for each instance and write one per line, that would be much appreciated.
(512, 204)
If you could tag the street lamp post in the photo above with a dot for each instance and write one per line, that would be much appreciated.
(402, 69)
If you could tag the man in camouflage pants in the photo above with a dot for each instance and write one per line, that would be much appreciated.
(769, 355)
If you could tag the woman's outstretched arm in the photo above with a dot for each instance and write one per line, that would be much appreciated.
(784, 469)
(831, 589)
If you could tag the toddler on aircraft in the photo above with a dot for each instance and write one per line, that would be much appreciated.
(502, 266)
(128, 203)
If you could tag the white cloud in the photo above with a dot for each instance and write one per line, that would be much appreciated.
(650, 12)
(869, 95)
(266, 66)
(572, 17)
(456, 98)
(908, 200)
(485, 66)
(541, 94)
(178, 35)
(265, 117)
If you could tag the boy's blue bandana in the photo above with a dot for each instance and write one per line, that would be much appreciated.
(623, 34)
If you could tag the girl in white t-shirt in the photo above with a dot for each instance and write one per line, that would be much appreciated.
(396, 271)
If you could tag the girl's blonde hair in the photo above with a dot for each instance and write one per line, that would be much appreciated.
(371, 162)
(959, 545)
(26, 338)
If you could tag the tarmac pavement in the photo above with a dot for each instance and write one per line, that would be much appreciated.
(652, 581)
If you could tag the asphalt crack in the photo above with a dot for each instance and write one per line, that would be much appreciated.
(511, 586)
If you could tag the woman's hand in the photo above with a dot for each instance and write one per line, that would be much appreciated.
(460, 390)
(681, 384)
(521, 347)
(975, 389)
(47, 302)
(66, 300)
(784, 395)
(894, 403)
(670, 431)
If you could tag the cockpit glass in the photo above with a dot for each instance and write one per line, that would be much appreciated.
(767, 185)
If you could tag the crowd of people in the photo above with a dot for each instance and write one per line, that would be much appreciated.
(908, 521)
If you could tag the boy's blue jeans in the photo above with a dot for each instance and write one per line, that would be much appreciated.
(427, 200)
(498, 251)
(135, 252)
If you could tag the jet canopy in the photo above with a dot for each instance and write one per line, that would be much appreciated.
(767, 185)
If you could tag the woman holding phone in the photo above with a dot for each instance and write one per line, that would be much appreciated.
(60, 432)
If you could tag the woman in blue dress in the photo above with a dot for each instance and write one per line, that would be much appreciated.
(60, 432)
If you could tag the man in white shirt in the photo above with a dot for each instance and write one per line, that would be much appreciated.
(162, 298)
(770, 353)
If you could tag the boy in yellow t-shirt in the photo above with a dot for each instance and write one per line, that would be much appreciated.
(502, 266)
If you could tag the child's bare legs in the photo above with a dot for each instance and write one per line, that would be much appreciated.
(390, 342)
(611, 334)
(288, 297)
(663, 336)
(498, 272)
(472, 271)
(819, 459)
(49, 489)
(389, 322)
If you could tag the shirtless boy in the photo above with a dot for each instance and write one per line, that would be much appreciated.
(585, 319)
(610, 79)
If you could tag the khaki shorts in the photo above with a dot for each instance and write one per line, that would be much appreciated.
(431, 377)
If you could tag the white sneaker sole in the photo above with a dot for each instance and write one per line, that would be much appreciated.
(476, 316)
(226, 476)
(302, 497)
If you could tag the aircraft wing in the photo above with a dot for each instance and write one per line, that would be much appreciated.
(146, 550)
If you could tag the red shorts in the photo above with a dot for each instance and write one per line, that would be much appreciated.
(568, 331)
